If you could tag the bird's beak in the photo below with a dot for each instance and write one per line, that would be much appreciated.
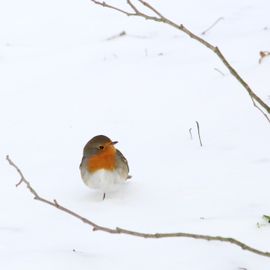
(110, 143)
(114, 142)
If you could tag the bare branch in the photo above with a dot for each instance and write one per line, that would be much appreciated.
(151, 8)
(260, 109)
(160, 18)
(117, 230)
(23, 180)
(104, 4)
(133, 7)
(252, 95)
(137, 13)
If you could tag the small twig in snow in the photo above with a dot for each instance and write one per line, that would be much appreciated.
(263, 54)
(219, 71)
(199, 133)
(121, 34)
(212, 25)
(190, 133)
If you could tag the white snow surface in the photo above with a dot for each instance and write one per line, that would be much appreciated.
(62, 82)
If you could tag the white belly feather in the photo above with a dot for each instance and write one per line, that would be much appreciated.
(104, 180)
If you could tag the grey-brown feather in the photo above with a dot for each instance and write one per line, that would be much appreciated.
(122, 163)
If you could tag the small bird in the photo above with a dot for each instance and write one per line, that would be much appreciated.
(103, 166)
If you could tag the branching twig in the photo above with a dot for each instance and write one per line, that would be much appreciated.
(260, 109)
(263, 54)
(117, 230)
(160, 18)
(112, 7)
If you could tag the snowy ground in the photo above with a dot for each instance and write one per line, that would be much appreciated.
(62, 83)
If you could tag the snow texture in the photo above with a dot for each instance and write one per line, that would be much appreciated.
(63, 82)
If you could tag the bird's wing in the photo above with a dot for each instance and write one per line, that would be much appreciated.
(83, 159)
(121, 156)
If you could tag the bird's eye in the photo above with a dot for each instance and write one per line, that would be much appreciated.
(101, 147)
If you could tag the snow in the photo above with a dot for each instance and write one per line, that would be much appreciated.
(62, 82)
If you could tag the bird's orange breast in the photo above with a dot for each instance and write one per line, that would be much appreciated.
(103, 160)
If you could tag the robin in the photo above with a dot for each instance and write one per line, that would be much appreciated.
(103, 166)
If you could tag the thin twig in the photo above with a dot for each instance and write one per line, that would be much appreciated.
(160, 18)
(117, 230)
(211, 26)
(151, 8)
(112, 7)
(190, 133)
(22, 180)
(260, 109)
(121, 34)
(263, 54)
(219, 71)
(133, 7)
(199, 133)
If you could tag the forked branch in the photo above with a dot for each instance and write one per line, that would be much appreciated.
(158, 17)
(117, 230)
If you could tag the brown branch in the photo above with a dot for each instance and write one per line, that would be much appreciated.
(263, 54)
(160, 18)
(151, 8)
(22, 180)
(252, 95)
(117, 230)
(103, 4)
(260, 109)
(133, 7)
